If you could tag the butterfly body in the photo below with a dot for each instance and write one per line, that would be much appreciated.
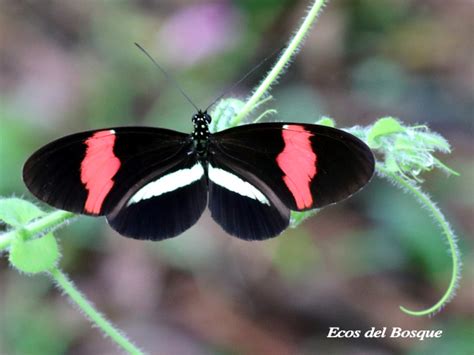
(201, 133)
(154, 183)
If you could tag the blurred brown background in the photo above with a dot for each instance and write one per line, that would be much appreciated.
(71, 65)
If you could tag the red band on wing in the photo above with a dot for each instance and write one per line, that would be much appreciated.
(298, 162)
(98, 168)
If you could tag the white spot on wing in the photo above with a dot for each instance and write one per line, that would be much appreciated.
(168, 183)
(235, 184)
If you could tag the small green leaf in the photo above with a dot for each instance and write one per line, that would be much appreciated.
(391, 164)
(298, 217)
(17, 212)
(223, 113)
(36, 255)
(326, 121)
(432, 140)
(382, 127)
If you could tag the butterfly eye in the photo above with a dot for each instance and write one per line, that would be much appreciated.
(207, 118)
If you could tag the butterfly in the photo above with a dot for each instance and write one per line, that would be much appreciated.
(154, 183)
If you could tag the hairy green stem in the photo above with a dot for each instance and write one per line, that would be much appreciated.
(282, 62)
(49, 222)
(67, 286)
(424, 200)
(45, 224)
(6, 239)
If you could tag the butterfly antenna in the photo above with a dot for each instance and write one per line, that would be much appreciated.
(168, 77)
(232, 87)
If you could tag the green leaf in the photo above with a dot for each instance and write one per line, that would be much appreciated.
(17, 212)
(382, 127)
(326, 121)
(34, 256)
(432, 140)
(223, 113)
(298, 217)
(391, 164)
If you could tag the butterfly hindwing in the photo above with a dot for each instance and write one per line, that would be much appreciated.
(242, 204)
(307, 166)
(164, 206)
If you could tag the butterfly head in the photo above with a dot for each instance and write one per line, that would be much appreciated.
(201, 118)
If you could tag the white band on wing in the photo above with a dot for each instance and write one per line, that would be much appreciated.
(167, 183)
(235, 184)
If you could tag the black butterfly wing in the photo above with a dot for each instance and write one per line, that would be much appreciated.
(305, 166)
(165, 205)
(242, 203)
(98, 172)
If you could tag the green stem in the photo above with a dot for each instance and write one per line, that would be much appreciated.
(6, 239)
(282, 62)
(67, 286)
(425, 201)
(48, 223)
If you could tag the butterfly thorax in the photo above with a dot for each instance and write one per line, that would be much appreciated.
(200, 135)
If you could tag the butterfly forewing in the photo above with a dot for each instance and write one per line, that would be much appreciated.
(91, 172)
(306, 166)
